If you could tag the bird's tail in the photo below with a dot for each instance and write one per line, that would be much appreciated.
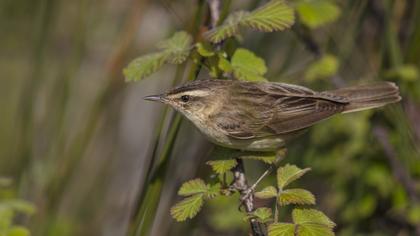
(369, 96)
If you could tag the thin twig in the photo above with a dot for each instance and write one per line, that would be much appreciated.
(270, 169)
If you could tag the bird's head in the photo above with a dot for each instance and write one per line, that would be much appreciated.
(195, 99)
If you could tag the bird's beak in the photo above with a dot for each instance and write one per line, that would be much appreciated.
(158, 98)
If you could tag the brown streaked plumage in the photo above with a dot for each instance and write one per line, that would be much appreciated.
(262, 116)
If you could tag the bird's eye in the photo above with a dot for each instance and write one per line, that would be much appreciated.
(185, 98)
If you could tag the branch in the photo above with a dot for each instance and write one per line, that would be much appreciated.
(241, 185)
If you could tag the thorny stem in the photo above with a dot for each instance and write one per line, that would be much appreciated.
(241, 185)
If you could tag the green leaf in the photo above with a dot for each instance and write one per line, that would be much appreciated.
(325, 67)
(187, 208)
(224, 65)
(281, 229)
(247, 66)
(17, 231)
(222, 166)
(311, 216)
(213, 191)
(174, 50)
(267, 192)
(314, 230)
(288, 174)
(193, 187)
(177, 47)
(229, 28)
(263, 214)
(144, 66)
(316, 13)
(273, 16)
(296, 196)
(204, 49)
(307, 222)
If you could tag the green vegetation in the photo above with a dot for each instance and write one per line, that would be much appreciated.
(82, 154)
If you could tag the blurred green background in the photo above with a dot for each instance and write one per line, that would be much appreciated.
(77, 142)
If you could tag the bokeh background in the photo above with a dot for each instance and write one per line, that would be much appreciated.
(78, 145)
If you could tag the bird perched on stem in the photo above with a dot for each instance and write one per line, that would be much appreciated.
(262, 116)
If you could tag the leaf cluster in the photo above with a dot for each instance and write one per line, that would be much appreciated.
(10, 208)
(275, 15)
(174, 50)
(305, 221)
(196, 192)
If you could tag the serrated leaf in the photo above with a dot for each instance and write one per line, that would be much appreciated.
(311, 216)
(187, 208)
(263, 214)
(316, 13)
(325, 67)
(273, 16)
(177, 47)
(267, 192)
(288, 174)
(229, 27)
(247, 66)
(281, 229)
(296, 196)
(144, 66)
(204, 49)
(213, 191)
(222, 166)
(193, 187)
(174, 50)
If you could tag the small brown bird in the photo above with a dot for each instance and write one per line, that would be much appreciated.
(263, 116)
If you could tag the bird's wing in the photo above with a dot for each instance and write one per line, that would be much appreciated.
(275, 108)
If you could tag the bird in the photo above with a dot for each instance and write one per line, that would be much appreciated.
(263, 116)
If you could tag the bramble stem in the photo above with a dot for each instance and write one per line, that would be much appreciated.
(241, 185)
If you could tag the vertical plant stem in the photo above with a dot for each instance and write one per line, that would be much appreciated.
(276, 211)
(148, 201)
(240, 183)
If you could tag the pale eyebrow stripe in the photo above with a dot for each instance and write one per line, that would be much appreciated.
(196, 93)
